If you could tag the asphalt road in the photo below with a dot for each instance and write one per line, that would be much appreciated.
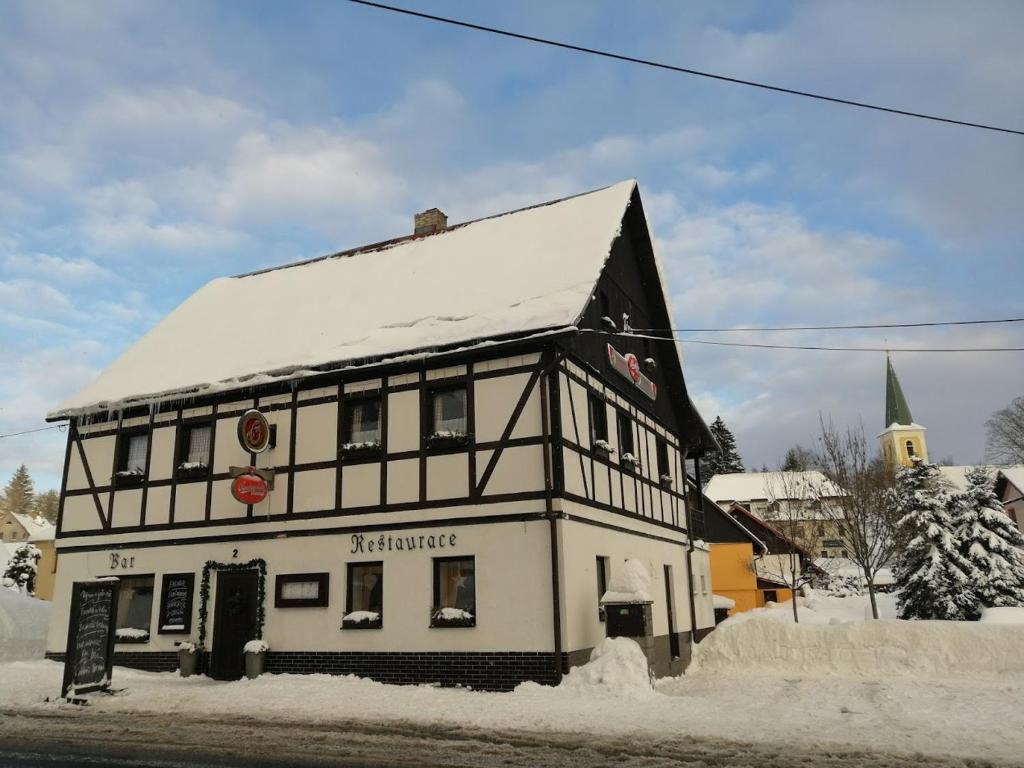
(64, 739)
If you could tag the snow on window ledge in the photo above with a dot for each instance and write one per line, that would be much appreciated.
(631, 460)
(192, 469)
(360, 448)
(444, 438)
(361, 620)
(452, 617)
(665, 480)
(256, 646)
(124, 476)
(603, 446)
(131, 635)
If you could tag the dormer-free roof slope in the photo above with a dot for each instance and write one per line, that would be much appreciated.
(526, 272)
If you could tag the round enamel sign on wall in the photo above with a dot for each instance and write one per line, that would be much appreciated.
(253, 431)
(249, 489)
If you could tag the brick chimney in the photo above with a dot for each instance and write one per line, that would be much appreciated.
(429, 222)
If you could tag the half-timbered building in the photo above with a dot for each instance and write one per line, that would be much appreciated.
(419, 460)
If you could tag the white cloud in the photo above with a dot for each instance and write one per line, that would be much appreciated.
(56, 268)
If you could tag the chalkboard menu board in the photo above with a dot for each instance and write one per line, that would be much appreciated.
(176, 603)
(89, 657)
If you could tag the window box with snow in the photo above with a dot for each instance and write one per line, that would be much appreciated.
(364, 602)
(134, 609)
(131, 459)
(454, 592)
(194, 443)
(446, 419)
(664, 465)
(360, 434)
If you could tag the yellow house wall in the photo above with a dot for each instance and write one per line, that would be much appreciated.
(46, 570)
(731, 575)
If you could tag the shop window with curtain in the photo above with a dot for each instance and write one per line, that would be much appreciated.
(361, 427)
(364, 603)
(448, 425)
(134, 609)
(454, 592)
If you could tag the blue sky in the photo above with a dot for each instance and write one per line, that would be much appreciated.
(145, 148)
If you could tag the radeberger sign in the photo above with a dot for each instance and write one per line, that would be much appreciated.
(253, 431)
(249, 489)
(628, 366)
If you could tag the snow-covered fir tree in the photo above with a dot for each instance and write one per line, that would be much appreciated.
(991, 542)
(728, 460)
(21, 569)
(934, 580)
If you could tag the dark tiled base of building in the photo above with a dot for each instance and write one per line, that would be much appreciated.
(498, 671)
(495, 671)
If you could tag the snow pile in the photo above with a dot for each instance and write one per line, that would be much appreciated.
(723, 602)
(885, 648)
(23, 621)
(822, 608)
(131, 633)
(256, 646)
(1002, 616)
(631, 584)
(617, 667)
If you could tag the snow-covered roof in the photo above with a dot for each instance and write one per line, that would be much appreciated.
(525, 272)
(38, 528)
(956, 476)
(747, 486)
(1015, 474)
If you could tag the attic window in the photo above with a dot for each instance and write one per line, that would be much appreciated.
(362, 422)
(194, 456)
(447, 418)
(131, 463)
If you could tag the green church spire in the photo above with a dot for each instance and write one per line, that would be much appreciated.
(896, 409)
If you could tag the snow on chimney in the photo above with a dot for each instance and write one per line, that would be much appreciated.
(430, 221)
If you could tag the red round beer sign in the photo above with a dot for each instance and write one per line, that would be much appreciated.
(634, 366)
(249, 489)
(253, 431)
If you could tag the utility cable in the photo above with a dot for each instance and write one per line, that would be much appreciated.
(682, 70)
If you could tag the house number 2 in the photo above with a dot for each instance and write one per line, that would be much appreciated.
(116, 561)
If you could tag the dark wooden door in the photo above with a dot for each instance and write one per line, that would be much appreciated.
(234, 623)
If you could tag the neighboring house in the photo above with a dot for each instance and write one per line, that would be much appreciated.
(794, 496)
(461, 458)
(17, 529)
(734, 549)
(785, 562)
(1010, 489)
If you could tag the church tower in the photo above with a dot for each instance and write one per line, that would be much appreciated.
(902, 440)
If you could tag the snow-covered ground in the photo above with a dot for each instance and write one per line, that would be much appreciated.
(834, 680)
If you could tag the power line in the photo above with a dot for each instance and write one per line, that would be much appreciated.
(831, 327)
(30, 431)
(802, 346)
(681, 70)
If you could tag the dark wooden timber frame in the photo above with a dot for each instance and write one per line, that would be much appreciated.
(547, 373)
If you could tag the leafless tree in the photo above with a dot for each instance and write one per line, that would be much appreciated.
(788, 513)
(1004, 432)
(864, 518)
